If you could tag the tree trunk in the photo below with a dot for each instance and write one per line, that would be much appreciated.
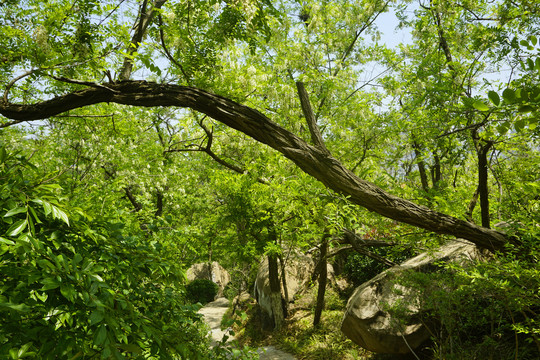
(436, 171)
(483, 189)
(323, 276)
(275, 292)
(313, 160)
(421, 167)
(284, 282)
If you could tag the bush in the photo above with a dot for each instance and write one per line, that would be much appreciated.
(488, 310)
(201, 290)
(74, 288)
(360, 268)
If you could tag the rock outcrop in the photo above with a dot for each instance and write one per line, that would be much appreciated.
(216, 273)
(370, 325)
(298, 269)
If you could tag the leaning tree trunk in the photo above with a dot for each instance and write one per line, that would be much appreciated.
(314, 160)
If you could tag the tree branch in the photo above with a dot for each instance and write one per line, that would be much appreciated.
(360, 244)
(169, 56)
(145, 19)
(136, 205)
(316, 136)
(312, 160)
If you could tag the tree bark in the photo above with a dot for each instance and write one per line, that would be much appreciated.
(275, 292)
(145, 18)
(483, 189)
(436, 171)
(323, 276)
(421, 167)
(313, 160)
(316, 136)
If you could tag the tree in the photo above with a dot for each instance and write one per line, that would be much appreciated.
(313, 159)
(214, 77)
(67, 281)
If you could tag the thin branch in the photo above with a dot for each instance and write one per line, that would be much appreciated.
(360, 244)
(12, 82)
(346, 54)
(111, 12)
(169, 56)
(469, 127)
(145, 19)
(357, 35)
(80, 82)
(127, 190)
(352, 238)
(208, 150)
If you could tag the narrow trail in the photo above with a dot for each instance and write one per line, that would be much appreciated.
(213, 313)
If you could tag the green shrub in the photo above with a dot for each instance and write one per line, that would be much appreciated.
(72, 288)
(488, 310)
(360, 268)
(201, 290)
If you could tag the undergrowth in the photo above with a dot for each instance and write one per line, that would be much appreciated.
(298, 336)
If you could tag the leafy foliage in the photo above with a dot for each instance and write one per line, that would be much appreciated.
(488, 309)
(75, 287)
(162, 188)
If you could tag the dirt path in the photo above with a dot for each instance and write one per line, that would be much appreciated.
(214, 311)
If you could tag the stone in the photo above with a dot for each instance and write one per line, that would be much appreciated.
(366, 320)
(298, 269)
(216, 273)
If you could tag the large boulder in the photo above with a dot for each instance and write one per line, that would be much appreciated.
(213, 272)
(298, 269)
(367, 321)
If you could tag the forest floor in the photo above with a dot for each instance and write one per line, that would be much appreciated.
(213, 313)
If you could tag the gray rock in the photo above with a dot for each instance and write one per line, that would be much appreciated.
(216, 273)
(298, 269)
(367, 322)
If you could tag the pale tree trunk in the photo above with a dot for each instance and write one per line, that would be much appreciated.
(275, 292)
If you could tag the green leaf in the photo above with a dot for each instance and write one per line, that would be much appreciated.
(41, 296)
(6, 241)
(3, 154)
(46, 205)
(35, 215)
(494, 97)
(17, 228)
(23, 351)
(15, 211)
(479, 105)
(16, 307)
(101, 335)
(519, 125)
(96, 317)
(533, 40)
(530, 62)
(131, 348)
(59, 214)
(49, 284)
(68, 291)
(525, 109)
(509, 95)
